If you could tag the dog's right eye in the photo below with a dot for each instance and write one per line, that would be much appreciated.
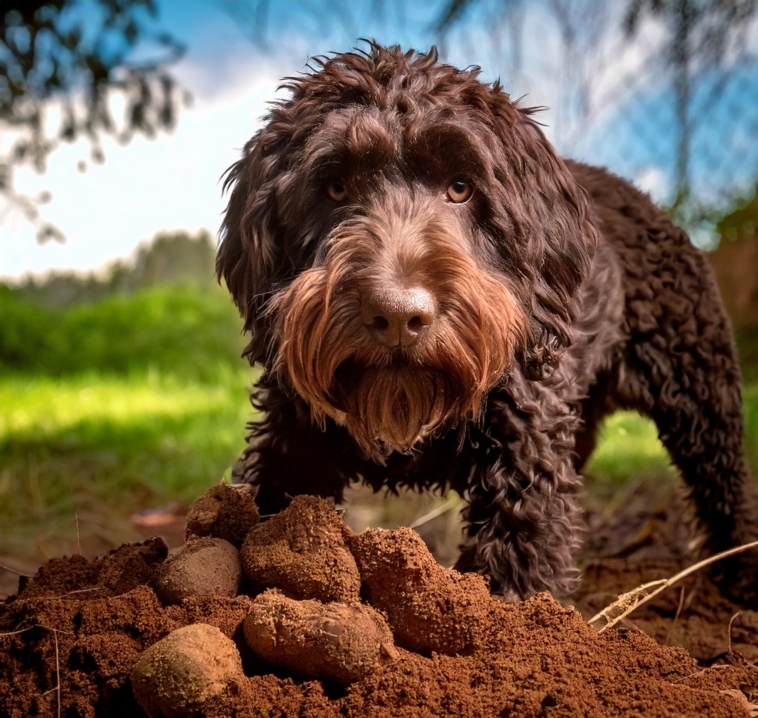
(459, 191)
(337, 191)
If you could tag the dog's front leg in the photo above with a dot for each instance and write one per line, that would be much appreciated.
(522, 532)
(522, 513)
(287, 455)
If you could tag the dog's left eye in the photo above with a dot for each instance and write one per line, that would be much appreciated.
(337, 191)
(459, 191)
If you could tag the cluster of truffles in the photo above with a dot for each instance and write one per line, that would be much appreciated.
(328, 604)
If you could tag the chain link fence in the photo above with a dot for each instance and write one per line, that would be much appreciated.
(663, 92)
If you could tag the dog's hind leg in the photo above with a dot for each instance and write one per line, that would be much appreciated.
(681, 369)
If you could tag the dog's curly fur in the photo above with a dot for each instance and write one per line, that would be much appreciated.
(560, 294)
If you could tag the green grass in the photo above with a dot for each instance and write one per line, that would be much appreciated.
(186, 331)
(105, 444)
(629, 446)
(133, 401)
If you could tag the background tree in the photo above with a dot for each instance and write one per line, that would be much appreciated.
(64, 67)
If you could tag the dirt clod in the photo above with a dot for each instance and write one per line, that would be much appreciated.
(185, 670)
(428, 607)
(332, 641)
(202, 567)
(117, 572)
(223, 511)
(302, 552)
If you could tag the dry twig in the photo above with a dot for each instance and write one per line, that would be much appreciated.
(676, 617)
(13, 570)
(630, 601)
(731, 621)
(15, 633)
(451, 503)
(36, 625)
(80, 590)
(57, 687)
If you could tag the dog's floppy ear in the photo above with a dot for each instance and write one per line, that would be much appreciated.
(249, 254)
(551, 240)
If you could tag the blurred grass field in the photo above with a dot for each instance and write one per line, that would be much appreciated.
(140, 401)
(94, 440)
(105, 408)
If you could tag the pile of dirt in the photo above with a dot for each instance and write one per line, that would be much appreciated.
(314, 621)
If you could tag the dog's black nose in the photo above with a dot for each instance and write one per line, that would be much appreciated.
(398, 317)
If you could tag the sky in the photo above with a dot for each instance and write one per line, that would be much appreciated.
(172, 182)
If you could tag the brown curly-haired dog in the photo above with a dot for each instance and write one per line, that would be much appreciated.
(440, 301)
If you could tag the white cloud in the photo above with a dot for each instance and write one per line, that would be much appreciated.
(654, 181)
(168, 183)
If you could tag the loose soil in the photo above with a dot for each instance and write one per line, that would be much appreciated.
(74, 632)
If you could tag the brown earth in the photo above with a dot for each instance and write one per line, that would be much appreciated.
(647, 540)
(74, 632)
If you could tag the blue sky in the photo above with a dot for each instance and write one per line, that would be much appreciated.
(172, 182)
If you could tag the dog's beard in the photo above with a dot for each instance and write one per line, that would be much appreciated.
(388, 402)
(393, 408)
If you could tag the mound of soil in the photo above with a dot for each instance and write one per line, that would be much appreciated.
(398, 636)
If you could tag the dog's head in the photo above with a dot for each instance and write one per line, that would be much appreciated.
(399, 236)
